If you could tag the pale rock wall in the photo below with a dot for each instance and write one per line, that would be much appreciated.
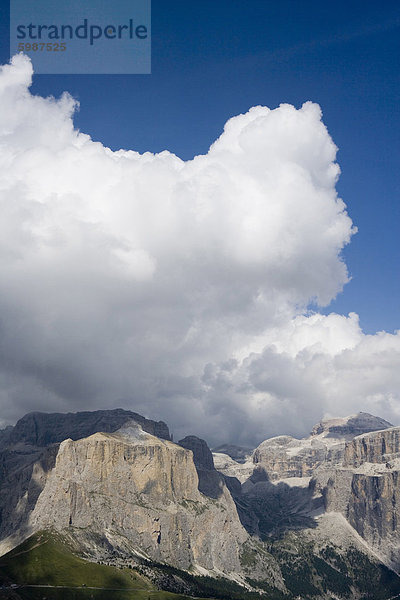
(366, 490)
(145, 490)
(373, 447)
(283, 456)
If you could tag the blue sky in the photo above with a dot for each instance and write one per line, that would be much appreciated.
(213, 60)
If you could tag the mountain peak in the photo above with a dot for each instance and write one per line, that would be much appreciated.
(349, 426)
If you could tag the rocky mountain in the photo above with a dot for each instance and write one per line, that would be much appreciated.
(138, 493)
(42, 429)
(316, 517)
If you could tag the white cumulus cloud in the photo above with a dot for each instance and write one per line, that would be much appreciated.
(178, 289)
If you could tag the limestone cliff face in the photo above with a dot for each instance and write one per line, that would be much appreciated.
(135, 487)
(27, 456)
(23, 473)
(373, 448)
(366, 489)
(283, 456)
(374, 508)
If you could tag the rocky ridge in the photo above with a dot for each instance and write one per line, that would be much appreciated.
(284, 457)
(42, 429)
(119, 487)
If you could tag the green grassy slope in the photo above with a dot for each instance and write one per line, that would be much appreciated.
(45, 560)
